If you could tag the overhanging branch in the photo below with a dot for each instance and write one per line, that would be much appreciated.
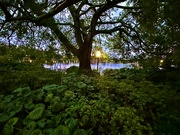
(77, 25)
(6, 12)
(126, 7)
(99, 12)
(58, 9)
(110, 31)
(110, 22)
(40, 18)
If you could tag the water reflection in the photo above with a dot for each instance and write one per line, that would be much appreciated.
(102, 66)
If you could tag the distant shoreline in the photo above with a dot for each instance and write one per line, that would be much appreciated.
(101, 66)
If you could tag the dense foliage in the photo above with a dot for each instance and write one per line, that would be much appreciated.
(15, 74)
(24, 66)
(164, 88)
(39, 101)
(121, 101)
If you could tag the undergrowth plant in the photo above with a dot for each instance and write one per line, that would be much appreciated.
(15, 74)
(81, 105)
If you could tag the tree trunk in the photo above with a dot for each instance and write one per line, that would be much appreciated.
(85, 57)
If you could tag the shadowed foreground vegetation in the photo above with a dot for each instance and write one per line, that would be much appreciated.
(38, 101)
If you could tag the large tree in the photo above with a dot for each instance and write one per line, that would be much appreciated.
(159, 24)
(74, 23)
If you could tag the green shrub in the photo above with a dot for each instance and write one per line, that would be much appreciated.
(72, 69)
(14, 75)
(87, 106)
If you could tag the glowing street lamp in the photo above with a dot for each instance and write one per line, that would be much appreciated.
(30, 60)
(161, 61)
(98, 55)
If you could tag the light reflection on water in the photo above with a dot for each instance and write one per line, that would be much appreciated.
(101, 66)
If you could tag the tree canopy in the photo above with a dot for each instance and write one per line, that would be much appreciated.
(143, 27)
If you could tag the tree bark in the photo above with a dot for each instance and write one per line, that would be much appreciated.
(84, 51)
(85, 56)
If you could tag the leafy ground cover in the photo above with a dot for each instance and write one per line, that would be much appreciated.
(23, 74)
(121, 101)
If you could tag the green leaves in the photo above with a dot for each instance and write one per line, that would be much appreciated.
(81, 85)
(36, 114)
(80, 132)
(29, 105)
(62, 130)
(3, 117)
(49, 131)
(22, 91)
(71, 123)
(8, 128)
(51, 88)
(105, 105)
(37, 132)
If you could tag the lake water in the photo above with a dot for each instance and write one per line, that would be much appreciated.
(101, 66)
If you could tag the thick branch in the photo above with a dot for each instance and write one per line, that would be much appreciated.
(99, 12)
(66, 24)
(40, 18)
(110, 22)
(66, 42)
(58, 9)
(77, 25)
(126, 7)
(137, 36)
(110, 31)
(61, 37)
(6, 12)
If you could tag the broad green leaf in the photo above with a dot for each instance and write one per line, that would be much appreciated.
(37, 132)
(24, 132)
(41, 123)
(3, 117)
(38, 94)
(80, 132)
(29, 106)
(71, 123)
(57, 118)
(56, 99)
(69, 94)
(8, 98)
(7, 130)
(61, 89)
(14, 107)
(22, 91)
(47, 113)
(57, 107)
(40, 105)
(12, 121)
(48, 131)
(49, 122)
(87, 80)
(18, 107)
(36, 113)
(11, 114)
(26, 121)
(89, 87)
(48, 98)
(31, 126)
(61, 130)
(50, 88)
(81, 85)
